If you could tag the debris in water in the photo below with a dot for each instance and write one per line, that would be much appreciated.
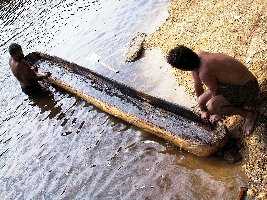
(136, 47)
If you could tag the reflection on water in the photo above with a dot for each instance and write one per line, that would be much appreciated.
(46, 102)
(61, 147)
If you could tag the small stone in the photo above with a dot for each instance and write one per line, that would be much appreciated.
(136, 48)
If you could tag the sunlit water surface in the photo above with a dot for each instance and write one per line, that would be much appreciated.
(60, 147)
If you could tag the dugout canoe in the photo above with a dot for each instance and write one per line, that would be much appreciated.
(165, 119)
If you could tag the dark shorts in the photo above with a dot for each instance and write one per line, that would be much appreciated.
(240, 95)
(34, 90)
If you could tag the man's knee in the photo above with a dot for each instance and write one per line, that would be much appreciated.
(212, 106)
(204, 98)
(215, 104)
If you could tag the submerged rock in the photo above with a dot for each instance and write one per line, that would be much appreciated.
(136, 48)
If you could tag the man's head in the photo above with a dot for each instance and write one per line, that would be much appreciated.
(183, 58)
(16, 52)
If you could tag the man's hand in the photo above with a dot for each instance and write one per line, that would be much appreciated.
(47, 74)
(215, 118)
(34, 68)
(42, 76)
(204, 115)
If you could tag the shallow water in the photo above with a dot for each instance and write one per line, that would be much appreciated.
(59, 147)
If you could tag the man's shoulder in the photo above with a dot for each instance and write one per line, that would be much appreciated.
(219, 57)
(206, 68)
(211, 61)
(12, 64)
(18, 66)
(14, 69)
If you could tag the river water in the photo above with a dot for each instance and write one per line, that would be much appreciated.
(59, 147)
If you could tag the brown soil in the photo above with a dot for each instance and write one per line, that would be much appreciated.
(234, 27)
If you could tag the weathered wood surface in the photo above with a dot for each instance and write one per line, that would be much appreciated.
(162, 118)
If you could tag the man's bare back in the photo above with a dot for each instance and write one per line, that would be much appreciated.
(223, 68)
(230, 85)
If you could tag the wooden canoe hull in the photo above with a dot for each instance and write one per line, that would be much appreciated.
(157, 116)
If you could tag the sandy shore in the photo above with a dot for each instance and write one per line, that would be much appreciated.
(237, 28)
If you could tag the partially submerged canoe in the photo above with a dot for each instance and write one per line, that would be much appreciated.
(157, 116)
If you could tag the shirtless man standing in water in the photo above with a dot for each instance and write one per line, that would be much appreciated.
(24, 72)
(231, 88)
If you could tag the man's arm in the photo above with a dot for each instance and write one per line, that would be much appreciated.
(42, 76)
(33, 72)
(198, 85)
(34, 68)
(28, 62)
(201, 96)
(211, 82)
(9, 62)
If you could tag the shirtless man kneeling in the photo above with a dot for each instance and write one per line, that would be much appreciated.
(231, 88)
(24, 72)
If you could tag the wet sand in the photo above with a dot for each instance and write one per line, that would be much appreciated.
(237, 28)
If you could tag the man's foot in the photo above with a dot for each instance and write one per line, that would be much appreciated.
(215, 118)
(250, 123)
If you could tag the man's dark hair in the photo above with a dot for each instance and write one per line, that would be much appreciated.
(15, 50)
(183, 58)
